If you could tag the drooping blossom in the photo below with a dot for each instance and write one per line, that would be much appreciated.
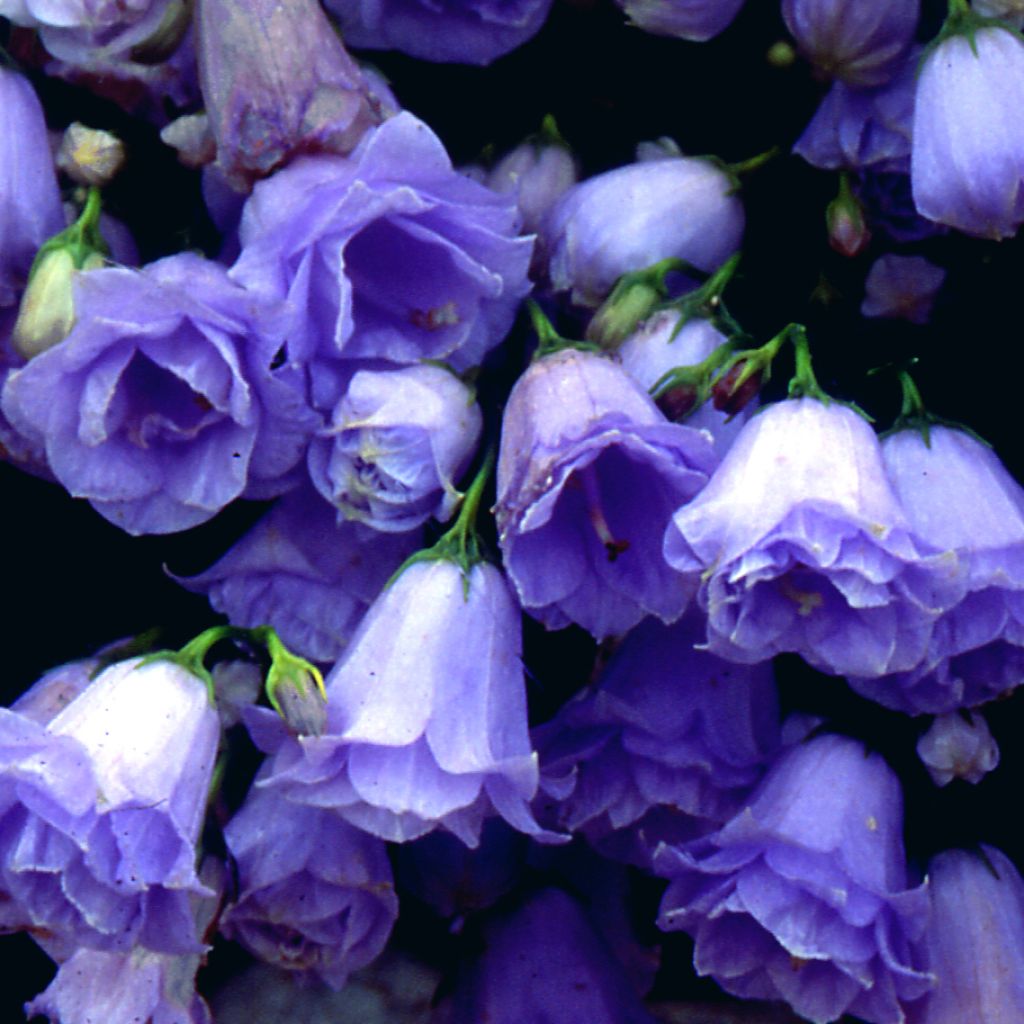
(389, 254)
(161, 407)
(958, 745)
(804, 895)
(315, 894)
(799, 544)
(589, 473)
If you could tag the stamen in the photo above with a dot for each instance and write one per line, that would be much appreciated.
(613, 548)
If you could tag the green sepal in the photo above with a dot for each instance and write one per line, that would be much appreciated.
(82, 240)
(963, 20)
(294, 686)
(549, 341)
(803, 383)
(914, 416)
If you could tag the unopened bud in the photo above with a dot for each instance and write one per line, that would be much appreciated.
(678, 402)
(847, 230)
(90, 156)
(295, 688)
(733, 391)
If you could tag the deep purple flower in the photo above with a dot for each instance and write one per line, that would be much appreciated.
(397, 443)
(967, 162)
(858, 41)
(976, 941)
(30, 210)
(160, 406)
(803, 896)
(665, 726)
(426, 713)
(902, 288)
(390, 254)
(958, 745)
(634, 216)
(277, 81)
(698, 20)
(959, 497)
(537, 172)
(103, 807)
(459, 31)
(305, 574)
(315, 893)
(589, 474)
(857, 129)
(543, 963)
(799, 544)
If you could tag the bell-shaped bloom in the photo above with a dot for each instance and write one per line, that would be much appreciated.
(426, 713)
(103, 806)
(30, 209)
(315, 894)
(305, 574)
(665, 726)
(537, 172)
(959, 497)
(799, 544)
(697, 20)
(857, 129)
(659, 345)
(858, 41)
(447, 31)
(277, 81)
(634, 216)
(902, 288)
(160, 407)
(543, 962)
(396, 445)
(589, 474)
(967, 161)
(958, 745)
(803, 896)
(388, 254)
(976, 940)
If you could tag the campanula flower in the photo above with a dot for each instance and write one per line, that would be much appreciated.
(958, 745)
(698, 20)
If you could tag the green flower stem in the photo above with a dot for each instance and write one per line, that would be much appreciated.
(736, 170)
(81, 240)
(699, 375)
(803, 384)
(549, 340)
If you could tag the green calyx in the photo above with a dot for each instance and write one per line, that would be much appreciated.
(699, 376)
(914, 416)
(82, 241)
(549, 341)
(804, 384)
(461, 544)
(294, 686)
(963, 20)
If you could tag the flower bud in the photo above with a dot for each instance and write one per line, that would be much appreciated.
(90, 156)
(736, 388)
(847, 230)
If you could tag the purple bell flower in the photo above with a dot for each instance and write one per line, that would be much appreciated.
(277, 81)
(799, 544)
(160, 406)
(858, 41)
(697, 20)
(803, 896)
(426, 713)
(30, 208)
(315, 893)
(976, 940)
(397, 443)
(958, 745)
(389, 254)
(543, 963)
(459, 31)
(629, 218)
(103, 807)
(959, 497)
(666, 726)
(967, 162)
(589, 474)
(305, 574)
(902, 288)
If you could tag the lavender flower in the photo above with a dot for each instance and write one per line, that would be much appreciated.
(634, 216)
(902, 288)
(959, 497)
(803, 896)
(277, 81)
(958, 745)
(30, 210)
(426, 713)
(160, 406)
(102, 809)
(398, 441)
(588, 475)
(538, 172)
(799, 544)
(390, 254)
(858, 41)
(315, 894)
(462, 31)
(303, 573)
(976, 940)
(666, 727)
(697, 20)
(544, 963)
(967, 162)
